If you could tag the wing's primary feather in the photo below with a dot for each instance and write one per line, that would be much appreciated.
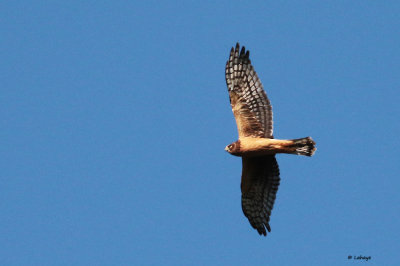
(260, 182)
(249, 102)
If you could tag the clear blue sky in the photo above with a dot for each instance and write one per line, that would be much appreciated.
(115, 115)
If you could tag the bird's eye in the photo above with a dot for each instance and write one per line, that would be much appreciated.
(230, 146)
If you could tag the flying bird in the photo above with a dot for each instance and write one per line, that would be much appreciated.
(256, 144)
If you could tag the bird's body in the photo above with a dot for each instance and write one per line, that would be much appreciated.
(256, 144)
(251, 147)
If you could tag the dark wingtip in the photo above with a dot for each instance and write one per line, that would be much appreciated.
(261, 231)
(242, 52)
(268, 227)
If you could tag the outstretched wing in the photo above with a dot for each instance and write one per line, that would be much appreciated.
(250, 105)
(260, 182)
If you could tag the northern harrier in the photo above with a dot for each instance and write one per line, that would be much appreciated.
(256, 144)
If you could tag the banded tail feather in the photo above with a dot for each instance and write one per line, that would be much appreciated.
(304, 146)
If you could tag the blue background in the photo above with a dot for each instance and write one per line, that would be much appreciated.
(115, 115)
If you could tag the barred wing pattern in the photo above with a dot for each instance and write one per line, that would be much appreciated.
(253, 114)
(245, 88)
(260, 182)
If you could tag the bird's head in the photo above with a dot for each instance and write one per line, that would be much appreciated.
(233, 148)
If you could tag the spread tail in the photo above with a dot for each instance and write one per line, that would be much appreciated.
(304, 146)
